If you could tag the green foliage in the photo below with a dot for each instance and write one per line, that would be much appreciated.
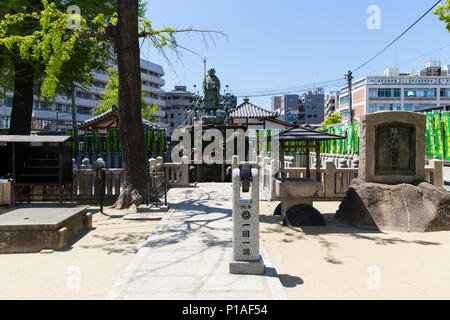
(48, 43)
(443, 11)
(110, 97)
(335, 118)
(68, 55)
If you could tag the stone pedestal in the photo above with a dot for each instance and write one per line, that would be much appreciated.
(294, 192)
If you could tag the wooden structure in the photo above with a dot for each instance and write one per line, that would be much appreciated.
(312, 139)
(37, 160)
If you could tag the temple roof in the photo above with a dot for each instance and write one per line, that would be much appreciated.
(248, 109)
(111, 113)
(303, 133)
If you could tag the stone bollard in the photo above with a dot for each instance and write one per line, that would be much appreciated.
(343, 163)
(234, 162)
(355, 162)
(245, 257)
(152, 164)
(438, 179)
(74, 164)
(185, 171)
(85, 164)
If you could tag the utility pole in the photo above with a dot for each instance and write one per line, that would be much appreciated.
(349, 77)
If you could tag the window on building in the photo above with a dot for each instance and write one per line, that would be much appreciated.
(420, 93)
(445, 92)
(344, 100)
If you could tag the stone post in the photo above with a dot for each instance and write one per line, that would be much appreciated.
(343, 163)
(85, 164)
(274, 167)
(246, 258)
(329, 178)
(185, 171)
(234, 162)
(355, 162)
(438, 179)
(99, 163)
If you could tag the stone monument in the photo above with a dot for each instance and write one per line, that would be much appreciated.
(392, 148)
(246, 258)
(390, 192)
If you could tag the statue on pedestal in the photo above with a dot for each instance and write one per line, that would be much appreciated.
(211, 92)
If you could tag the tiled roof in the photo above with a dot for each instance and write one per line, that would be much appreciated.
(250, 110)
(105, 114)
(304, 133)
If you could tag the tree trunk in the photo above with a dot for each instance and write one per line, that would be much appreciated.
(22, 108)
(135, 163)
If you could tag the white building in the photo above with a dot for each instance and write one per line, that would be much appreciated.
(57, 114)
(427, 89)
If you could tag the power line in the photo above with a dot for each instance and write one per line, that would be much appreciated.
(281, 91)
(396, 39)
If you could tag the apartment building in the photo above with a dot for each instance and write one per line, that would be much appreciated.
(57, 113)
(305, 109)
(179, 104)
(275, 103)
(331, 103)
(427, 89)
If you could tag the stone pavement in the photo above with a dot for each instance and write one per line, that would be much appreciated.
(187, 255)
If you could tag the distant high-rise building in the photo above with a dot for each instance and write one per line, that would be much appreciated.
(179, 104)
(305, 109)
(276, 103)
(331, 103)
(314, 102)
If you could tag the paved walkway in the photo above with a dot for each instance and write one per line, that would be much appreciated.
(187, 255)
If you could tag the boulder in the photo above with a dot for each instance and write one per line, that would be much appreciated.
(303, 215)
(418, 207)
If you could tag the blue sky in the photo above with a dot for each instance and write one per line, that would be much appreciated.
(287, 43)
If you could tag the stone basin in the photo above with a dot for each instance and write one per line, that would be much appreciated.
(296, 191)
(300, 187)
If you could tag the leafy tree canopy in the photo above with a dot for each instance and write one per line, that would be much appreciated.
(53, 43)
(443, 11)
(335, 118)
(110, 97)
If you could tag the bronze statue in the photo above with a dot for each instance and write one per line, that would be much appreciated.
(211, 92)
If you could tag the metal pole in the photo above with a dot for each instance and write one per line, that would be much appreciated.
(350, 100)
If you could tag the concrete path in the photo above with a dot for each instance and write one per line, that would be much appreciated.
(187, 255)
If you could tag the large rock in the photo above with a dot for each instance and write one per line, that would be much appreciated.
(302, 216)
(402, 207)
